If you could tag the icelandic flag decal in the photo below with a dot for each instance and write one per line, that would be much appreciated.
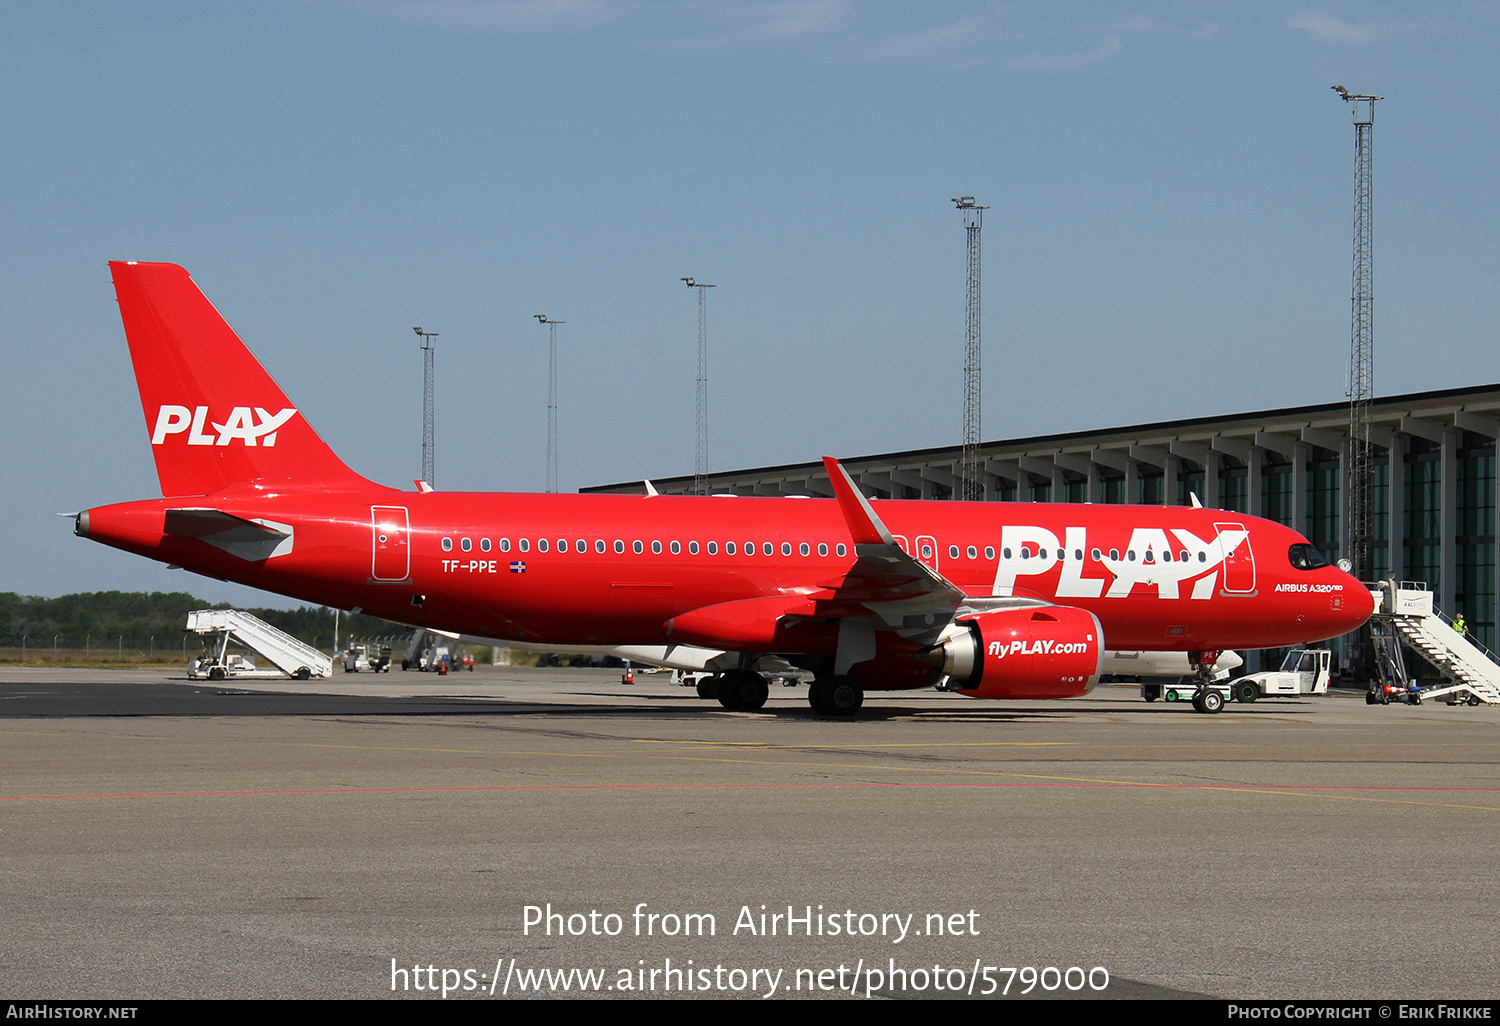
(518, 566)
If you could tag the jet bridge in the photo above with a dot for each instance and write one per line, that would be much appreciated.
(291, 656)
(1404, 615)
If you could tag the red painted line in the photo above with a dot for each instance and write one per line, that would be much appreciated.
(682, 787)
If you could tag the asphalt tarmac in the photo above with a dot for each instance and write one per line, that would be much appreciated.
(553, 832)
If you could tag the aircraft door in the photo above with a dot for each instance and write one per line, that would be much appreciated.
(1239, 565)
(391, 541)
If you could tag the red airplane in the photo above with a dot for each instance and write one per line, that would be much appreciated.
(992, 600)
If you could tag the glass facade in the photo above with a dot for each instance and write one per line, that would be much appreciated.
(1189, 482)
(1322, 528)
(1474, 528)
(1422, 514)
(1234, 485)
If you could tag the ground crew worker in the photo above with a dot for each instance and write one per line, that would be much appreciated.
(1458, 623)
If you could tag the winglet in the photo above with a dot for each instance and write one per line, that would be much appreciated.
(864, 525)
(651, 489)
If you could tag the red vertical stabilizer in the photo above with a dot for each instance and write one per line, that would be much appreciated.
(214, 417)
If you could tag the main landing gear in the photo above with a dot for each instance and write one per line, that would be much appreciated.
(741, 690)
(836, 696)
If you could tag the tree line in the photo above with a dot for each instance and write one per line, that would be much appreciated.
(139, 615)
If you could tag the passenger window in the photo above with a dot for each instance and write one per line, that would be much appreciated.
(786, 548)
(805, 549)
(619, 546)
(484, 545)
(713, 548)
(676, 548)
(989, 552)
(822, 548)
(1114, 555)
(541, 544)
(729, 548)
(768, 549)
(599, 546)
(562, 545)
(1095, 555)
(841, 550)
(504, 544)
(952, 551)
(524, 545)
(692, 548)
(638, 547)
(447, 544)
(656, 548)
(972, 552)
(582, 546)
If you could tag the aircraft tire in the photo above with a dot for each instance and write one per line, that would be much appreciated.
(708, 686)
(743, 691)
(1246, 692)
(1211, 702)
(841, 697)
(1197, 700)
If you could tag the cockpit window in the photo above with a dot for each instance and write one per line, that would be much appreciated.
(1305, 557)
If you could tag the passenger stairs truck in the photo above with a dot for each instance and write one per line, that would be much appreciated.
(1405, 615)
(219, 626)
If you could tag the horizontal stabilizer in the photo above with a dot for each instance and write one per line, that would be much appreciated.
(251, 540)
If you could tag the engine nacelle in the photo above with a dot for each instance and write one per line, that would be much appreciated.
(1048, 652)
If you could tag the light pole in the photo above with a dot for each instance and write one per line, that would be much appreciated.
(700, 446)
(551, 399)
(428, 412)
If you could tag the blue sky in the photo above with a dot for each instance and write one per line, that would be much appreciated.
(1170, 189)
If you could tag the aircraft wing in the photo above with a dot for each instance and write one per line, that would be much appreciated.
(885, 580)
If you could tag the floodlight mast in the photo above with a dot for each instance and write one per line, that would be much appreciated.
(700, 445)
(428, 402)
(970, 474)
(1360, 521)
(551, 399)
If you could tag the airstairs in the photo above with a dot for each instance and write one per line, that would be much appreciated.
(1406, 616)
(291, 656)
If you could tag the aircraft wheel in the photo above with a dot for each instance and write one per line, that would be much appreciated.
(1198, 700)
(743, 690)
(708, 686)
(1246, 692)
(1211, 702)
(841, 697)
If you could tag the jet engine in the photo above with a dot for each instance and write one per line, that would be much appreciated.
(1048, 652)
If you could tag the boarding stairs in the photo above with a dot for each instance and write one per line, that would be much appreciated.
(1406, 616)
(289, 655)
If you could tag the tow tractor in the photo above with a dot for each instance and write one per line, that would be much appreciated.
(1304, 671)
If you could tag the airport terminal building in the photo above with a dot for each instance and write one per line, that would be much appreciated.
(1435, 481)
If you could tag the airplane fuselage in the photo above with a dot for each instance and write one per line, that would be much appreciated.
(619, 570)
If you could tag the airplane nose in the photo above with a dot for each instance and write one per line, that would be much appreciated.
(1358, 603)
